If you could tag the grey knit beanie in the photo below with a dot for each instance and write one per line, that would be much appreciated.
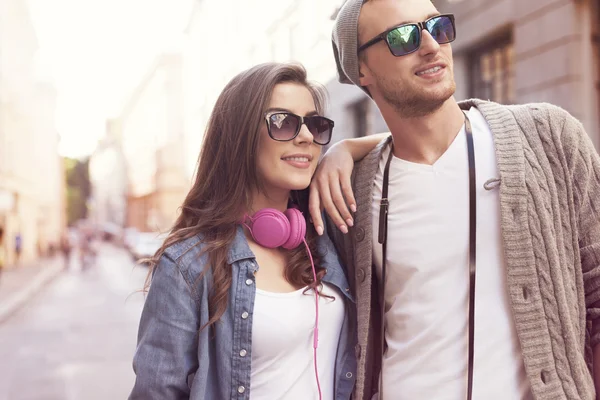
(345, 42)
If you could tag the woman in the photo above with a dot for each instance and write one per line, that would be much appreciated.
(231, 310)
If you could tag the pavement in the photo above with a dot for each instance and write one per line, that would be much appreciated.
(21, 283)
(70, 334)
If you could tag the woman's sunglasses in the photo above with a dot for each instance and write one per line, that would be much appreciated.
(406, 38)
(285, 126)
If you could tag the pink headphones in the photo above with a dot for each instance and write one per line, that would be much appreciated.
(272, 228)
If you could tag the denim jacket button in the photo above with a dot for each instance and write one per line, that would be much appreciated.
(348, 375)
(248, 281)
(243, 353)
(241, 389)
(245, 315)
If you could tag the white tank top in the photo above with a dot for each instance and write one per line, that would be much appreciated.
(282, 344)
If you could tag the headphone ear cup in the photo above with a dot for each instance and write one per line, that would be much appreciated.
(270, 228)
(297, 225)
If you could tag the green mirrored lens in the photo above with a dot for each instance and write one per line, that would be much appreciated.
(404, 39)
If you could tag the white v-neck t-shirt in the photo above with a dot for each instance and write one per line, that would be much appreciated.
(427, 283)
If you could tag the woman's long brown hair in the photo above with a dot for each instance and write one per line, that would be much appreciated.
(227, 176)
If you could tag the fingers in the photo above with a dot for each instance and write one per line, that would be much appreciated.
(346, 185)
(330, 208)
(314, 207)
(339, 202)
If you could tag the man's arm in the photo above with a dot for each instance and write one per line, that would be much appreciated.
(585, 173)
(331, 187)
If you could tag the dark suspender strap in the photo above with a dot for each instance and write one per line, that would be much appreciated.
(472, 252)
(383, 222)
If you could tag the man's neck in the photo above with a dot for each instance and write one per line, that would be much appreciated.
(425, 139)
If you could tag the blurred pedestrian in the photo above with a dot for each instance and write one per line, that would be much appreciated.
(18, 247)
(65, 247)
(2, 252)
(87, 252)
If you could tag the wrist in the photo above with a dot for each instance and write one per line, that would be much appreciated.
(348, 146)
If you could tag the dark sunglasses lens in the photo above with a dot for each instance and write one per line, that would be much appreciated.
(320, 127)
(404, 39)
(441, 29)
(283, 126)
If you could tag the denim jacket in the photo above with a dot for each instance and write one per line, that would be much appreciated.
(175, 360)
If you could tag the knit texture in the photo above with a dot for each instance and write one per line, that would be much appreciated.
(550, 221)
(345, 42)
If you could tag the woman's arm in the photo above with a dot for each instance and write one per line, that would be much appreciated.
(331, 187)
(166, 353)
(360, 147)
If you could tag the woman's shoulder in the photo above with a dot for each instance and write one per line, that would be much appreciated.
(191, 255)
(184, 253)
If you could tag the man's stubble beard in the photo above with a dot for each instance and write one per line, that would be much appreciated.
(410, 103)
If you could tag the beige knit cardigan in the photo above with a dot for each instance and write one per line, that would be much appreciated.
(550, 217)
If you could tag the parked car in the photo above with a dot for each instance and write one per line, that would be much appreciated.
(129, 237)
(147, 244)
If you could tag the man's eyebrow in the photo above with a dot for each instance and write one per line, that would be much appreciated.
(436, 14)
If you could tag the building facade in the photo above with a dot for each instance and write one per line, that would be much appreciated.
(32, 189)
(108, 178)
(274, 30)
(152, 142)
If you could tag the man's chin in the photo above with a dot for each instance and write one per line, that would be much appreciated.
(440, 91)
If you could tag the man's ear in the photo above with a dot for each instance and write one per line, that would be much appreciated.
(364, 74)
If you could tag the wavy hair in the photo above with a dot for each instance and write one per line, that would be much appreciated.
(226, 177)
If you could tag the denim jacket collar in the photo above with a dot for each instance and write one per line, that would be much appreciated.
(240, 250)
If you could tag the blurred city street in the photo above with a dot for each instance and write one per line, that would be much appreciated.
(76, 337)
(103, 112)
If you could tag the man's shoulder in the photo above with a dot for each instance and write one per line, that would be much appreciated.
(541, 119)
(550, 120)
(537, 111)
(544, 110)
(371, 159)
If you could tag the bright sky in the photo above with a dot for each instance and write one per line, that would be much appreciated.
(96, 52)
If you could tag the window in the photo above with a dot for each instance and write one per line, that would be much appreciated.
(492, 71)
(362, 114)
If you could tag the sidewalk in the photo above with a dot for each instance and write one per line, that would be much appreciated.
(19, 284)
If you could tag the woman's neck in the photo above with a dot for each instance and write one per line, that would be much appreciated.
(278, 201)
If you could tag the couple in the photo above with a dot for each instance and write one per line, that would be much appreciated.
(465, 260)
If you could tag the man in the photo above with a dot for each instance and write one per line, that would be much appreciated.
(2, 254)
(18, 247)
(493, 250)
(65, 247)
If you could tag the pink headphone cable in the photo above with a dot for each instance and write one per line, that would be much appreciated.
(277, 229)
(316, 330)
